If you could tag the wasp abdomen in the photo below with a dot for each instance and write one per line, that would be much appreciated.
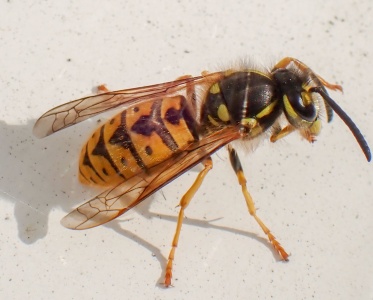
(137, 139)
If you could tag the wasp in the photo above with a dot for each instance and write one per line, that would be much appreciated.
(165, 129)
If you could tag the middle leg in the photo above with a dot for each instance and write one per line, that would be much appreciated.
(236, 164)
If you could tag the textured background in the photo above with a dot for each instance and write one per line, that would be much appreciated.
(317, 199)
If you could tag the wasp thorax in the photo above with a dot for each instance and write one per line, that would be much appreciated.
(246, 99)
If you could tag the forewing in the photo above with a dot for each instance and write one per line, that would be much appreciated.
(79, 110)
(116, 201)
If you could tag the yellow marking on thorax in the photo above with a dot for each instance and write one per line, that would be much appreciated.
(250, 122)
(253, 124)
(223, 113)
(212, 121)
(229, 72)
(260, 73)
(215, 89)
(267, 110)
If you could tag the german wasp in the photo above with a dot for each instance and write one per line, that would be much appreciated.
(165, 129)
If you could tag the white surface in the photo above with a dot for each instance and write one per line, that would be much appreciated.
(317, 199)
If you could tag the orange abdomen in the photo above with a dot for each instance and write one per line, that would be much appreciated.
(137, 139)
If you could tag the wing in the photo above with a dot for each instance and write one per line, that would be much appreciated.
(116, 201)
(79, 110)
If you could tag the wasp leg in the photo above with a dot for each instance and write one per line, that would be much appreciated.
(282, 133)
(331, 86)
(307, 133)
(236, 164)
(184, 202)
(283, 63)
(102, 89)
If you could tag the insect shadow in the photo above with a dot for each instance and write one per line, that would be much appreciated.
(144, 210)
(40, 175)
(37, 176)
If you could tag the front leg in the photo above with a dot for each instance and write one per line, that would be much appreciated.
(281, 133)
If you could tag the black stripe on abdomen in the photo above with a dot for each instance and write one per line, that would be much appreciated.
(122, 138)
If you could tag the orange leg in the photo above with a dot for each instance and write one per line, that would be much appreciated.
(102, 89)
(236, 164)
(282, 133)
(308, 133)
(184, 202)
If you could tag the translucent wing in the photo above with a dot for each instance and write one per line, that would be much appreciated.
(119, 199)
(79, 110)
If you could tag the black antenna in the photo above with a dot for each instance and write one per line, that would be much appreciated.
(346, 119)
